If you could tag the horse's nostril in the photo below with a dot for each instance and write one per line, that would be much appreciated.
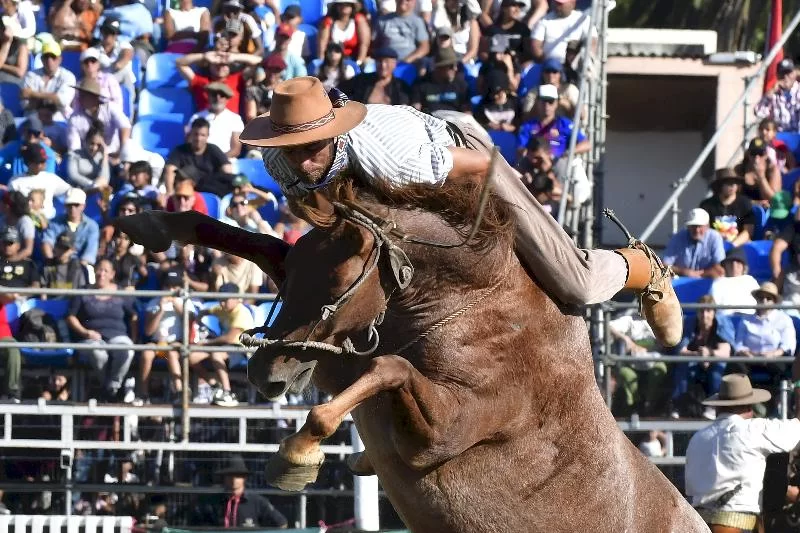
(274, 389)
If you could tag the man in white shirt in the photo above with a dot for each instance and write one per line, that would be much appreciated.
(225, 124)
(737, 286)
(552, 33)
(52, 83)
(38, 179)
(725, 461)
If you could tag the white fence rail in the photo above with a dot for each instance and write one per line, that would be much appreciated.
(73, 524)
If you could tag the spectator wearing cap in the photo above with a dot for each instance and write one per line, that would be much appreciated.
(697, 250)
(461, 26)
(345, 26)
(553, 74)
(11, 161)
(539, 160)
(72, 22)
(37, 178)
(498, 110)
(251, 31)
(91, 68)
(295, 66)
(219, 70)
(546, 124)
(254, 195)
(334, 71)
(136, 25)
(731, 213)
(381, 86)
(16, 53)
(51, 83)
(258, 97)
(737, 286)
(403, 31)
(87, 167)
(224, 125)
(54, 131)
(186, 27)
(139, 182)
(237, 508)
(781, 102)
(63, 270)
(240, 214)
(761, 178)
(14, 212)
(115, 55)
(501, 67)
(564, 23)
(516, 35)
(442, 90)
(206, 160)
(86, 230)
(185, 196)
(298, 43)
(95, 109)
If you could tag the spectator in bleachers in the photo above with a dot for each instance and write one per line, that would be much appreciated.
(571, 73)
(55, 132)
(761, 177)
(778, 152)
(736, 286)
(788, 277)
(510, 33)
(346, 27)
(258, 97)
(781, 102)
(87, 167)
(267, 14)
(711, 338)
(11, 160)
(224, 125)
(241, 214)
(139, 182)
(116, 55)
(206, 160)
(136, 25)
(109, 86)
(251, 42)
(501, 67)
(37, 178)
(289, 226)
(498, 110)
(36, 209)
(219, 70)
(14, 211)
(186, 197)
(128, 205)
(697, 250)
(462, 28)
(543, 188)
(64, 270)
(442, 89)
(87, 233)
(128, 260)
(295, 66)
(195, 263)
(568, 94)
(52, 83)
(255, 196)
(381, 86)
(539, 160)
(334, 71)
(403, 31)
(98, 320)
(14, 55)
(22, 17)
(133, 152)
(244, 274)
(298, 45)
(72, 22)
(731, 213)
(547, 125)
(186, 27)
(562, 24)
(8, 127)
(94, 110)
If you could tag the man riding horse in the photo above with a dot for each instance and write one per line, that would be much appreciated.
(311, 138)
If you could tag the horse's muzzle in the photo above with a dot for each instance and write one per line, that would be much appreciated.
(275, 376)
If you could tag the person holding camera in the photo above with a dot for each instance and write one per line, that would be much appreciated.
(762, 179)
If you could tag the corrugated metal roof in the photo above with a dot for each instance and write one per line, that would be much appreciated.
(661, 43)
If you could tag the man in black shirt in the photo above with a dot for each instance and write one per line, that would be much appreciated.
(237, 508)
(731, 213)
(442, 90)
(516, 33)
(64, 270)
(379, 87)
(208, 160)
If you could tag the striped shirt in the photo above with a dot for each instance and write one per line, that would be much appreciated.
(393, 145)
(781, 106)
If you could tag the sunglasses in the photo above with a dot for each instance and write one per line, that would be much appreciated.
(238, 204)
(184, 197)
(217, 95)
(73, 205)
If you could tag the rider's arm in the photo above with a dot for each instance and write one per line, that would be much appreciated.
(467, 162)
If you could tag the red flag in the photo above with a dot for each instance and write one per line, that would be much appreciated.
(775, 31)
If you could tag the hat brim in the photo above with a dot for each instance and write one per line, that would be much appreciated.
(445, 63)
(757, 396)
(100, 96)
(259, 131)
(232, 472)
(756, 292)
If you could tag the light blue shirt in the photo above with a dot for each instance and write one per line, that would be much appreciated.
(295, 67)
(683, 252)
(761, 334)
(87, 236)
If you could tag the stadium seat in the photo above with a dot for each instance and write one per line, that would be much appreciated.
(138, 75)
(212, 323)
(159, 133)
(530, 80)
(471, 73)
(161, 71)
(313, 11)
(258, 175)
(789, 178)
(262, 312)
(406, 72)
(71, 60)
(689, 290)
(507, 143)
(10, 94)
(212, 203)
(92, 209)
(792, 141)
(311, 34)
(173, 100)
(758, 259)
(761, 216)
(128, 104)
(49, 357)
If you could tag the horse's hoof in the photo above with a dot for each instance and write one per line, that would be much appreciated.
(359, 464)
(289, 476)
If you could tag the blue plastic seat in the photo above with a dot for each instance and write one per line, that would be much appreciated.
(530, 80)
(159, 133)
(406, 72)
(92, 209)
(792, 141)
(758, 259)
(161, 100)
(10, 94)
(471, 72)
(789, 178)
(138, 74)
(257, 174)
(263, 313)
(507, 143)
(689, 290)
(61, 357)
(71, 60)
(310, 31)
(161, 71)
(212, 203)
(128, 104)
(761, 216)
(212, 323)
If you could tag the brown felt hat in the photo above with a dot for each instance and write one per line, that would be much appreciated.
(301, 113)
(723, 175)
(736, 389)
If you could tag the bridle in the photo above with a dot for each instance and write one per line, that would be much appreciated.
(382, 231)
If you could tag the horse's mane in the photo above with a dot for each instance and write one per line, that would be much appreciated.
(457, 203)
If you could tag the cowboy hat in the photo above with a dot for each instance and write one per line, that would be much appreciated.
(737, 390)
(234, 465)
(725, 174)
(445, 57)
(768, 288)
(90, 86)
(301, 113)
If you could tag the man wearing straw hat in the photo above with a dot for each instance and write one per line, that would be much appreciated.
(94, 109)
(725, 461)
(312, 137)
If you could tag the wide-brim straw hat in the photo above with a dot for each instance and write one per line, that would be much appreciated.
(301, 113)
(736, 389)
(90, 86)
(768, 288)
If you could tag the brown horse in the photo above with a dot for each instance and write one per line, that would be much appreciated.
(473, 391)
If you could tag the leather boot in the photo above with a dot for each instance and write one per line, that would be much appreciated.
(652, 280)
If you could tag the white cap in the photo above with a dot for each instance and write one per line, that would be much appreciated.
(548, 91)
(75, 196)
(698, 217)
(131, 152)
(90, 53)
